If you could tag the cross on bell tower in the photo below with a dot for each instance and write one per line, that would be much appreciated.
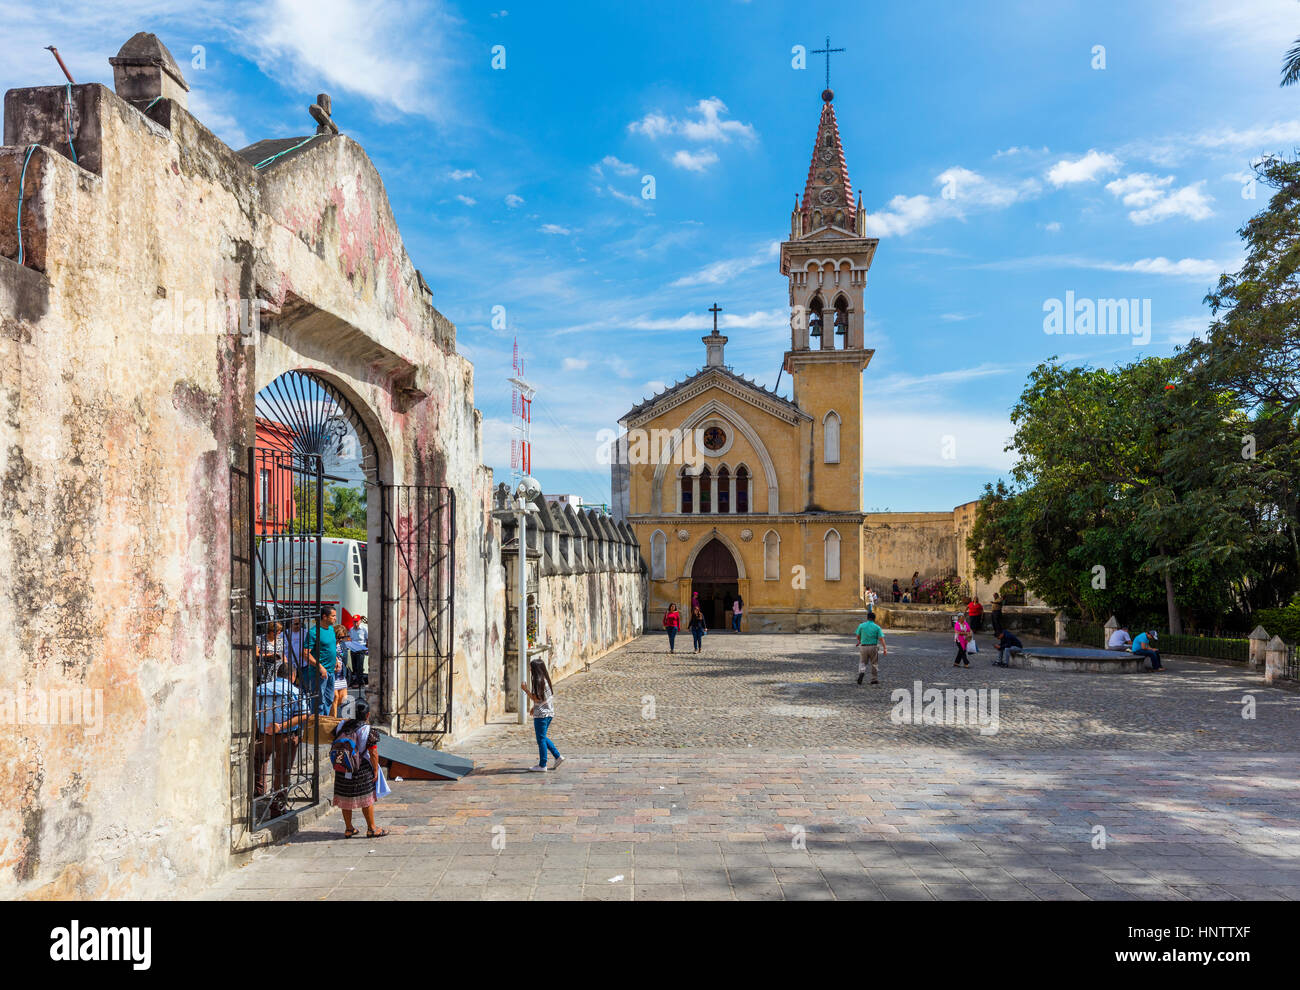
(714, 342)
(828, 51)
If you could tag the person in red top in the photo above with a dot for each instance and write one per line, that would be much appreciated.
(976, 613)
(672, 622)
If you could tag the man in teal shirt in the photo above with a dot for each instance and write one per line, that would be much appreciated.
(871, 643)
(319, 651)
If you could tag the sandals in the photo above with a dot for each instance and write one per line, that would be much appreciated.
(376, 835)
(351, 833)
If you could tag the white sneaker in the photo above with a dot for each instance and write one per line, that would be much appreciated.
(537, 769)
(558, 761)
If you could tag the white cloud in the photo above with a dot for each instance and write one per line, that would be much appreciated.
(618, 167)
(704, 321)
(513, 201)
(554, 228)
(1183, 268)
(708, 125)
(976, 440)
(575, 364)
(694, 161)
(1053, 227)
(461, 174)
(1189, 201)
(1086, 169)
(467, 200)
(722, 272)
(1139, 189)
(961, 190)
(394, 54)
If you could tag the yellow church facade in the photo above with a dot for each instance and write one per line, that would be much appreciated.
(736, 491)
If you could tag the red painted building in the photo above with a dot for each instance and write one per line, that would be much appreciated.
(273, 485)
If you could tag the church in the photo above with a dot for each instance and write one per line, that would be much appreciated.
(758, 496)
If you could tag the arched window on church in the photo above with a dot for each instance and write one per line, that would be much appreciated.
(832, 544)
(831, 438)
(686, 482)
(742, 489)
(658, 555)
(841, 321)
(706, 493)
(724, 489)
(815, 321)
(771, 556)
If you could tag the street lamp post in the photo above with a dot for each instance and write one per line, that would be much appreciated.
(527, 490)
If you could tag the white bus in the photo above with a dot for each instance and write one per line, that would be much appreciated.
(287, 586)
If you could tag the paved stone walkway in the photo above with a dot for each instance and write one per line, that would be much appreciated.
(766, 773)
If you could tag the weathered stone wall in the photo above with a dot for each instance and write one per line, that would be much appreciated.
(589, 581)
(897, 543)
(127, 391)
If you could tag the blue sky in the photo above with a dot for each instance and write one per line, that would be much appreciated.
(998, 166)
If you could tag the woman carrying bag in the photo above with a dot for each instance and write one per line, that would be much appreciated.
(962, 635)
(355, 758)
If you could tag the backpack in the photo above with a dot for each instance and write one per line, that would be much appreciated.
(346, 753)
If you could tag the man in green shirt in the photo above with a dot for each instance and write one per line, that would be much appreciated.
(871, 643)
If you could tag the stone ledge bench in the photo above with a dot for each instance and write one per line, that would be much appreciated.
(1076, 659)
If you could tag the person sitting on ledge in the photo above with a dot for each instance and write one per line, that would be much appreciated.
(1142, 647)
(1120, 640)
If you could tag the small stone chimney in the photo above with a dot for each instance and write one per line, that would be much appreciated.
(145, 70)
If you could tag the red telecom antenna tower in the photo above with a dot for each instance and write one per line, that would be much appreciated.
(521, 421)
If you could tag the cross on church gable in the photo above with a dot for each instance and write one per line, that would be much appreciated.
(828, 51)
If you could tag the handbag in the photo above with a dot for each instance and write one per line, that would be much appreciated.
(972, 646)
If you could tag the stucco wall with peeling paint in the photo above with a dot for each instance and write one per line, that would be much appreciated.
(127, 390)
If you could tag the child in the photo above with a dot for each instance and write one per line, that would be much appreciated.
(542, 697)
(357, 789)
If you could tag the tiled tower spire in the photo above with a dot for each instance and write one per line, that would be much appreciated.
(828, 193)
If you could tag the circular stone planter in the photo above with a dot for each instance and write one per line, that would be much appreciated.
(1075, 659)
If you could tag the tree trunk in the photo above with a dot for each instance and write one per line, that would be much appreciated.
(1175, 619)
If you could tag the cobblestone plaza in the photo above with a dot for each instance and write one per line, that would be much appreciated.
(761, 770)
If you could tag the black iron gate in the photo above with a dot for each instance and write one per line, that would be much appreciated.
(419, 567)
(285, 521)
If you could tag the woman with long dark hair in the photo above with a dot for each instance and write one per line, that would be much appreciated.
(672, 623)
(698, 628)
(542, 697)
(355, 788)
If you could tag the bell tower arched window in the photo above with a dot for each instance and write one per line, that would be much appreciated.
(841, 322)
(724, 489)
(815, 322)
(706, 491)
(742, 489)
(686, 484)
(831, 438)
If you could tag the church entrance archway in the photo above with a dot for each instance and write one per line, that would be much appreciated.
(716, 580)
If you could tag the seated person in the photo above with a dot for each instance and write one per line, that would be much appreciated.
(1007, 644)
(1119, 640)
(1142, 647)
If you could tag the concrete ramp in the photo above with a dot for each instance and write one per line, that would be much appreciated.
(412, 762)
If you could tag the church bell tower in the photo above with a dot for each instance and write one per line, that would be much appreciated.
(826, 261)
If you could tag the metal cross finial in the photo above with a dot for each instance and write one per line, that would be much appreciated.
(827, 51)
(715, 309)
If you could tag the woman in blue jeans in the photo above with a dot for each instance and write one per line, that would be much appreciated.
(542, 697)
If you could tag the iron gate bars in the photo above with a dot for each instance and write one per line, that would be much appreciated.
(419, 567)
(285, 528)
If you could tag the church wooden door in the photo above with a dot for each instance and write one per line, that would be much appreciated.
(714, 578)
